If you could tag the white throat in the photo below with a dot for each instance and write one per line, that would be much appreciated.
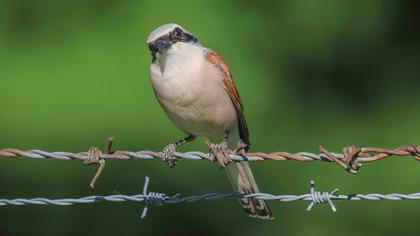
(179, 55)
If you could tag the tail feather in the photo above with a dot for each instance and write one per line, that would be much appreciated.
(240, 175)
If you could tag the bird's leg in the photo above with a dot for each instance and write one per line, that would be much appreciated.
(241, 149)
(169, 151)
(220, 151)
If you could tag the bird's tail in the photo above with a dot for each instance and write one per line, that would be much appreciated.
(240, 175)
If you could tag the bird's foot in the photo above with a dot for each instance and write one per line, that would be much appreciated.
(168, 155)
(241, 149)
(221, 152)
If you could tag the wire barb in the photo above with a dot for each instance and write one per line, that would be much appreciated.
(318, 197)
(94, 157)
(151, 198)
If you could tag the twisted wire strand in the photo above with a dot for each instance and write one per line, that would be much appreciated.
(350, 159)
(158, 199)
(367, 154)
(207, 196)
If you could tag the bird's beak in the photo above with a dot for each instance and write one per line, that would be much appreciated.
(162, 45)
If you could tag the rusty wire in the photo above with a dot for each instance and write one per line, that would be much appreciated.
(351, 157)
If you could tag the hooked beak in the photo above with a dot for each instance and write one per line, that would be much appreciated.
(158, 47)
(162, 45)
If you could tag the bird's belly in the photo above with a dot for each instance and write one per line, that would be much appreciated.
(208, 113)
(197, 103)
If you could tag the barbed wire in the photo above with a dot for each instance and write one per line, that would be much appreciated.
(159, 199)
(351, 157)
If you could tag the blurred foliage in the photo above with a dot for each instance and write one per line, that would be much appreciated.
(310, 72)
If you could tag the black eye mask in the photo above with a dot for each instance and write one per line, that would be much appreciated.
(176, 35)
(153, 50)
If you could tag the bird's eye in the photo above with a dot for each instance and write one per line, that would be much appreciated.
(178, 32)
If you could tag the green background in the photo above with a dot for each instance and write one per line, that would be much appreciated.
(310, 73)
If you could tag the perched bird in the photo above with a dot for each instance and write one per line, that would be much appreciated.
(196, 90)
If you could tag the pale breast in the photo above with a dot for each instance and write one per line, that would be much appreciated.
(191, 92)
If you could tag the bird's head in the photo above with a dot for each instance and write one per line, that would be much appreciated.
(164, 37)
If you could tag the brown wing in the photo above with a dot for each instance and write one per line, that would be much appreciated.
(240, 174)
(230, 87)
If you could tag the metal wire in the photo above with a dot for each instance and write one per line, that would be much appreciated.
(158, 199)
(350, 158)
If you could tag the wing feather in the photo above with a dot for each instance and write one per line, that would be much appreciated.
(230, 87)
(240, 175)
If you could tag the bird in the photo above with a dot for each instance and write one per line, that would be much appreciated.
(196, 90)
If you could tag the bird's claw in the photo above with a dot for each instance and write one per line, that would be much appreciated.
(168, 155)
(221, 152)
(241, 148)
